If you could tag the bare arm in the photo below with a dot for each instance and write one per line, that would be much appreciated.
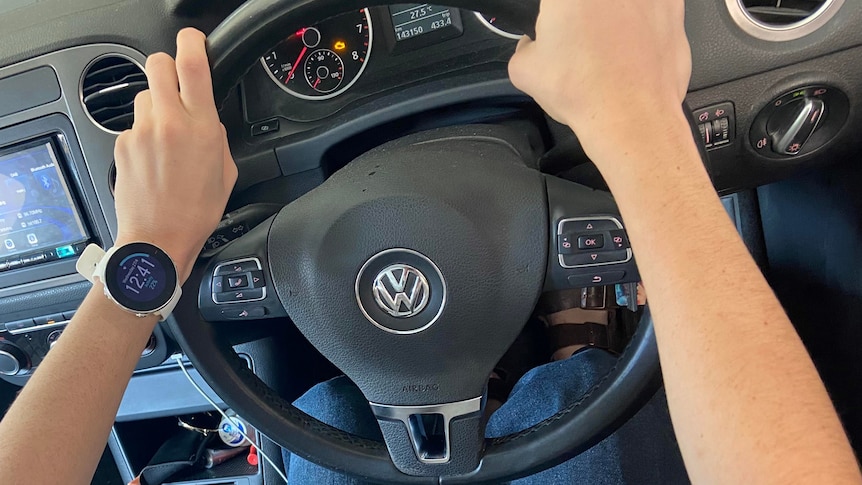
(174, 174)
(746, 401)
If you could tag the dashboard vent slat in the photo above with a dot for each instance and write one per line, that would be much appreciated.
(108, 91)
(782, 13)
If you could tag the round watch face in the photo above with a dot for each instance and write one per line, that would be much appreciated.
(141, 277)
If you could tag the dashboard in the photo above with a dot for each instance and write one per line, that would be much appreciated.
(333, 90)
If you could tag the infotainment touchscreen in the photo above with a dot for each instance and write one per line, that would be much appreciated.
(38, 215)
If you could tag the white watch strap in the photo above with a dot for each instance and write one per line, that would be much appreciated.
(89, 261)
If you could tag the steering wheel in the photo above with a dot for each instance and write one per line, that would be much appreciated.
(413, 270)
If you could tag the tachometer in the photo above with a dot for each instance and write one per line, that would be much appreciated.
(500, 27)
(325, 60)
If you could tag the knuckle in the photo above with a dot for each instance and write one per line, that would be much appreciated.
(158, 61)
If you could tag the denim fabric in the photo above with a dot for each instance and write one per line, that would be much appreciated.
(643, 451)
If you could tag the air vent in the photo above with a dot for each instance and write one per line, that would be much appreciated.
(782, 12)
(108, 90)
(782, 20)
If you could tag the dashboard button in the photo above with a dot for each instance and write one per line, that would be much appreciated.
(253, 294)
(20, 325)
(49, 319)
(265, 127)
(69, 315)
(241, 266)
(14, 263)
(243, 313)
(33, 259)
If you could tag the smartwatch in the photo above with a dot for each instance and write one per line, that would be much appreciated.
(139, 277)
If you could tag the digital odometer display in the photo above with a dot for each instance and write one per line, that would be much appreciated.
(414, 19)
(325, 60)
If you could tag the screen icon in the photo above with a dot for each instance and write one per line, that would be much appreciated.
(31, 238)
(10, 244)
(65, 251)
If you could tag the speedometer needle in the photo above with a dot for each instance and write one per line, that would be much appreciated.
(317, 83)
(296, 64)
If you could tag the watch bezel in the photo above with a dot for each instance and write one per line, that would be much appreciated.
(140, 307)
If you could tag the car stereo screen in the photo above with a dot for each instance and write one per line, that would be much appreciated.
(37, 211)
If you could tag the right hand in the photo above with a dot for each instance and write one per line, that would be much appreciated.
(174, 167)
(614, 71)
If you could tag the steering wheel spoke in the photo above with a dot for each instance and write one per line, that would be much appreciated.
(434, 440)
(236, 285)
(588, 243)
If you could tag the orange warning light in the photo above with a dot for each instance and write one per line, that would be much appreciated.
(340, 45)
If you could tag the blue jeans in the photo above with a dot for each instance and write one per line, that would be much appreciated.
(643, 451)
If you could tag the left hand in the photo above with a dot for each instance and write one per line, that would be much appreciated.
(174, 167)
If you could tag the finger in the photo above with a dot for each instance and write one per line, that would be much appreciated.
(193, 70)
(162, 77)
(143, 107)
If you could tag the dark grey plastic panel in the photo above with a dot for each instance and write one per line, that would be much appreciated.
(164, 392)
(27, 90)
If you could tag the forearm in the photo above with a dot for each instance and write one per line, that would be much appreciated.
(56, 430)
(746, 401)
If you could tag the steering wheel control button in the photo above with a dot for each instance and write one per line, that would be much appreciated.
(243, 313)
(591, 242)
(596, 279)
(218, 284)
(238, 281)
(565, 245)
(257, 279)
(265, 127)
(237, 267)
(580, 226)
(401, 291)
(619, 240)
(253, 294)
(597, 258)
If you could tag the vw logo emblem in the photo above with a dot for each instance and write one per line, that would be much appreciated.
(401, 290)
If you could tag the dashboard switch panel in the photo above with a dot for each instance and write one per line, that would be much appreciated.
(717, 125)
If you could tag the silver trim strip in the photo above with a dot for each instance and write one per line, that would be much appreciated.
(449, 412)
(38, 328)
(493, 28)
(259, 268)
(782, 33)
(576, 219)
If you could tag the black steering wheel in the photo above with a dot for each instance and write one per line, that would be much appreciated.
(413, 269)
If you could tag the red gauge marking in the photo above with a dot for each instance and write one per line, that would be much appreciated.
(296, 64)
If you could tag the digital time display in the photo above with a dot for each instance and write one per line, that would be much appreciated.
(415, 19)
(141, 277)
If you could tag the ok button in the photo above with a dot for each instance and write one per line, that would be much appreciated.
(596, 241)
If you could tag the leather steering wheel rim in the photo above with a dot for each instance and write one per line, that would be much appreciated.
(233, 48)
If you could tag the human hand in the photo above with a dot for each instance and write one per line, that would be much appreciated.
(614, 71)
(174, 167)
